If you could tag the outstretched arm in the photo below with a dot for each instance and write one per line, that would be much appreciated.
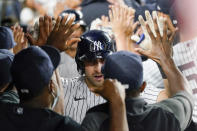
(114, 92)
(161, 53)
(180, 102)
(123, 26)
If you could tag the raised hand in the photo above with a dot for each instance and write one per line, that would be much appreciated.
(121, 19)
(161, 45)
(123, 26)
(146, 44)
(64, 27)
(45, 28)
(114, 92)
(19, 38)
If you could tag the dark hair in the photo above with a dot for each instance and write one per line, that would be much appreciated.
(8, 22)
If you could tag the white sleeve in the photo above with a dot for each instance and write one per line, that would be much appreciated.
(154, 81)
(152, 74)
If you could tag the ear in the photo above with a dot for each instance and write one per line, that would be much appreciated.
(143, 87)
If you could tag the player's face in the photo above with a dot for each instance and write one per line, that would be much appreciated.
(93, 74)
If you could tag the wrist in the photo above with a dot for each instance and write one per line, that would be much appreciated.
(117, 101)
(118, 33)
(168, 66)
(167, 62)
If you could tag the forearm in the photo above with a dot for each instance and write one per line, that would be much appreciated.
(124, 42)
(175, 80)
(121, 42)
(118, 119)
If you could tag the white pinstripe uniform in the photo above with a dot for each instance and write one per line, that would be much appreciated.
(185, 58)
(78, 98)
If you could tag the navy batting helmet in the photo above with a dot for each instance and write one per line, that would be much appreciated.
(94, 44)
(78, 17)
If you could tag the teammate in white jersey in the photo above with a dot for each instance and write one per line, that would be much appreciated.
(91, 51)
(185, 57)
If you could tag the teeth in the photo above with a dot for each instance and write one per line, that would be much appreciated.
(99, 76)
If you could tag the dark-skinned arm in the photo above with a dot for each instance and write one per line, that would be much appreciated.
(114, 92)
(161, 53)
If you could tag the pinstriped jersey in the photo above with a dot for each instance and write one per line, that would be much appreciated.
(185, 58)
(78, 98)
(152, 77)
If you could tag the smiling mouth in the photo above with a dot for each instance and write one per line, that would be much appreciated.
(98, 77)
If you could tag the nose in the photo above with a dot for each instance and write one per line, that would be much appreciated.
(98, 66)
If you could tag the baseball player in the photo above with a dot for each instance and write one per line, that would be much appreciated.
(94, 46)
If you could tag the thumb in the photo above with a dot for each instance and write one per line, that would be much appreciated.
(96, 90)
(142, 52)
(73, 41)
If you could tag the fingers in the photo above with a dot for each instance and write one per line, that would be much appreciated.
(50, 25)
(158, 36)
(64, 20)
(19, 39)
(110, 15)
(57, 24)
(131, 11)
(142, 52)
(45, 27)
(30, 39)
(143, 26)
(171, 28)
(105, 21)
(164, 30)
(150, 21)
(73, 41)
(70, 22)
(103, 18)
(25, 42)
(18, 34)
(150, 33)
(47, 24)
(171, 38)
(169, 23)
(113, 12)
(41, 27)
(70, 30)
(62, 31)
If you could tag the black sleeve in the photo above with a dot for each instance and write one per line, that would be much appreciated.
(71, 125)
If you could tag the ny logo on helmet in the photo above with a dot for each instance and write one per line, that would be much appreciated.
(96, 46)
